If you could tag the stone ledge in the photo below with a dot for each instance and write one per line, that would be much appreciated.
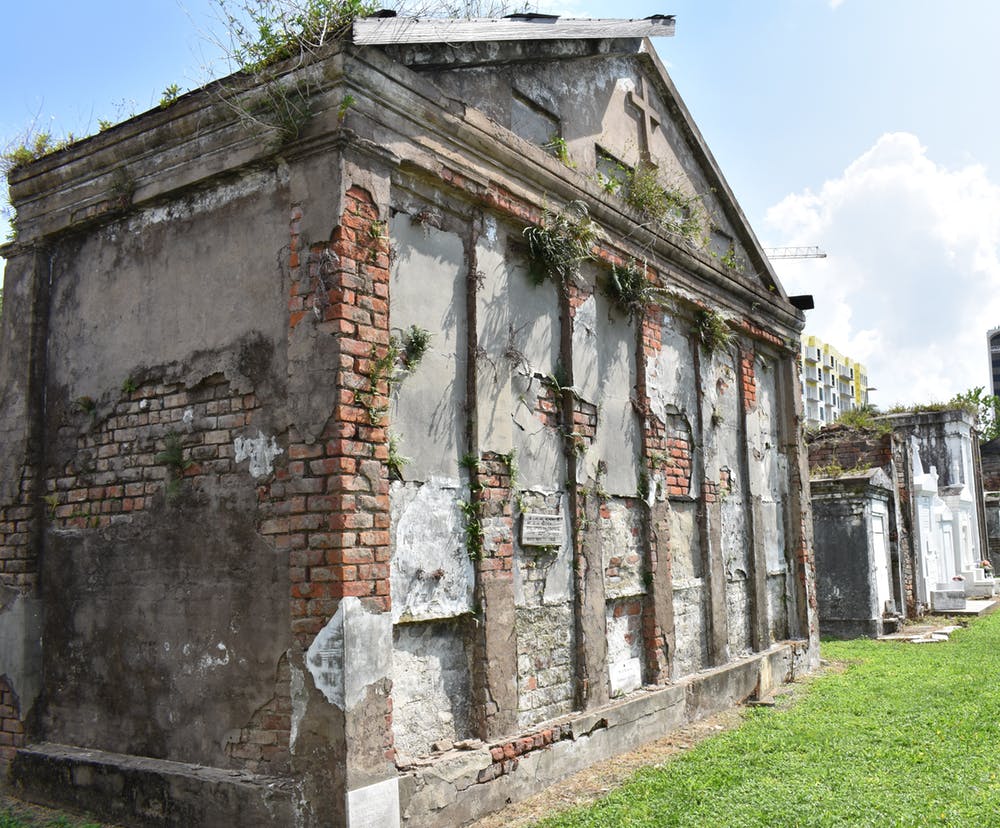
(461, 787)
(140, 791)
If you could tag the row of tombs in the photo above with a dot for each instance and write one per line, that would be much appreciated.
(719, 507)
(899, 521)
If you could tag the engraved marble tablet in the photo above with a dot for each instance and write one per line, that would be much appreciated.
(374, 806)
(541, 530)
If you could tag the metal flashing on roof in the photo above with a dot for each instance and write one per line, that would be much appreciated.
(377, 31)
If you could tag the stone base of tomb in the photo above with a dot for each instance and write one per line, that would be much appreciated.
(944, 600)
(139, 791)
(847, 628)
(462, 786)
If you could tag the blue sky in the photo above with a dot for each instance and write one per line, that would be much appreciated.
(868, 127)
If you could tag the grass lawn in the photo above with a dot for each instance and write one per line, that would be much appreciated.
(907, 735)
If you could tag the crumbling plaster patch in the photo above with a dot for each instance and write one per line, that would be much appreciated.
(604, 372)
(137, 267)
(431, 573)
(621, 535)
(431, 685)
(351, 653)
(544, 662)
(531, 348)
(21, 645)
(672, 386)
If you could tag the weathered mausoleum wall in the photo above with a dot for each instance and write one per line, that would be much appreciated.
(318, 497)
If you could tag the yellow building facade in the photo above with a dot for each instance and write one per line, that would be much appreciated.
(831, 382)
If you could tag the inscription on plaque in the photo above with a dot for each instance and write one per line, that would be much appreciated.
(541, 530)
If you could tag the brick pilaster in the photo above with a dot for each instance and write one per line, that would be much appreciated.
(328, 508)
(494, 673)
(658, 606)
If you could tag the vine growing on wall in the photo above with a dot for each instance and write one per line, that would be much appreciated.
(472, 509)
(403, 352)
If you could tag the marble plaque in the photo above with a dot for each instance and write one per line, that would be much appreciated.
(374, 806)
(541, 530)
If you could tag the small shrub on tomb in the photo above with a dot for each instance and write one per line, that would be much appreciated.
(730, 260)
(264, 32)
(561, 242)
(416, 341)
(668, 207)
(396, 461)
(471, 509)
(831, 469)
(629, 287)
(173, 458)
(383, 368)
(557, 146)
(284, 109)
(473, 529)
(122, 189)
(85, 405)
(345, 104)
(169, 95)
(713, 330)
(863, 419)
(32, 146)
(129, 386)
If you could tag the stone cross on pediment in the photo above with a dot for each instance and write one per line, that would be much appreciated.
(647, 116)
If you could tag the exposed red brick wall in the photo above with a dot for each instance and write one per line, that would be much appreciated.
(18, 563)
(262, 745)
(11, 726)
(329, 506)
(748, 379)
(547, 407)
(493, 497)
(849, 448)
(116, 470)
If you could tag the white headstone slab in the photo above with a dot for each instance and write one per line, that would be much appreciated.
(374, 806)
(541, 530)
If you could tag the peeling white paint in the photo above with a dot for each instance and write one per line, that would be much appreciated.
(261, 450)
(625, 85)
(490, 229)
(298, 693)
(352, 652)
(431, 573)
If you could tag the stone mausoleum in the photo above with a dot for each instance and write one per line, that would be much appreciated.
(384, 463)
(909, 539)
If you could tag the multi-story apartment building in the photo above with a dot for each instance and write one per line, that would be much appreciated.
(993, 345)
(831, 382)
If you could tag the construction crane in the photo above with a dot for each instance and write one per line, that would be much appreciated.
(794, 253)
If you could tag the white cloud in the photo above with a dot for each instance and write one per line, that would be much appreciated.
(912, 282)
